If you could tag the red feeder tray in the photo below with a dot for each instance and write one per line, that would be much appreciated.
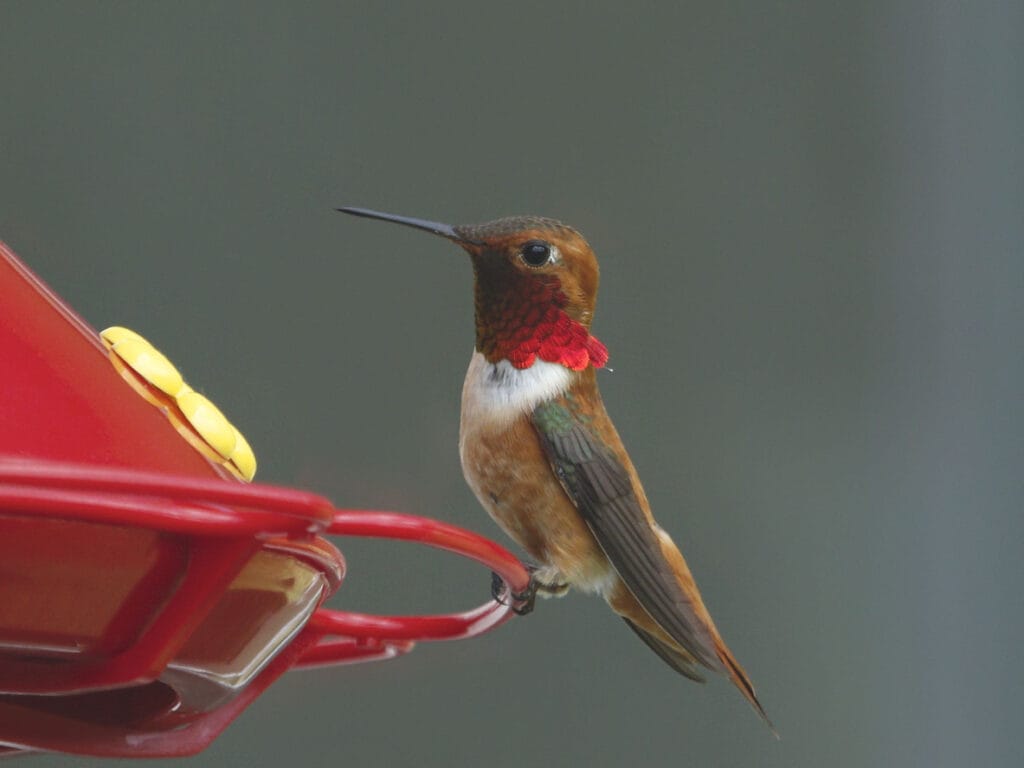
(147, 595)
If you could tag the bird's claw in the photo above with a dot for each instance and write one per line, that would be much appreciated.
(522, 602)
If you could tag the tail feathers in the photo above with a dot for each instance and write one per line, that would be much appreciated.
(680, 662)
(740, 679)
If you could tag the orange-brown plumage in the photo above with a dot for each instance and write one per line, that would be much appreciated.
(500, 460)
(541, 454)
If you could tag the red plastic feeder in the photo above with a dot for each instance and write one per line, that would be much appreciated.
(147, 593)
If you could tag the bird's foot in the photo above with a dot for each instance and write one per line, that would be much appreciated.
(523, 602)
(549, 580)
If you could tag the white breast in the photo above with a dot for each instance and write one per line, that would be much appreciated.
(499, 392)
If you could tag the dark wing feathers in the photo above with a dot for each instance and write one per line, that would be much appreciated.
(680, 663)
(600, 487)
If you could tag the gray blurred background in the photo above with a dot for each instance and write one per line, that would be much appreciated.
(809, 220)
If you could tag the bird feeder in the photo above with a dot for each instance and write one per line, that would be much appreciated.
(148, 591)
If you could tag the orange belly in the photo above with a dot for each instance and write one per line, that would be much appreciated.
(508, 471)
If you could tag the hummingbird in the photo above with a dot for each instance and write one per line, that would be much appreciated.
(541, 454)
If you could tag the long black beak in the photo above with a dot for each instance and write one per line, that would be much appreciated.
(444, 230)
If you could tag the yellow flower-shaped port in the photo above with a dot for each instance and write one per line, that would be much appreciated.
(204, 418)
(209, 422)
(243, 457)
(139, 355)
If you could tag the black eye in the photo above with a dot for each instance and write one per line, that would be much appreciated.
(536, 253)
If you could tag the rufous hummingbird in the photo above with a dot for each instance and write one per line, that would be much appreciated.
(541, 454)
